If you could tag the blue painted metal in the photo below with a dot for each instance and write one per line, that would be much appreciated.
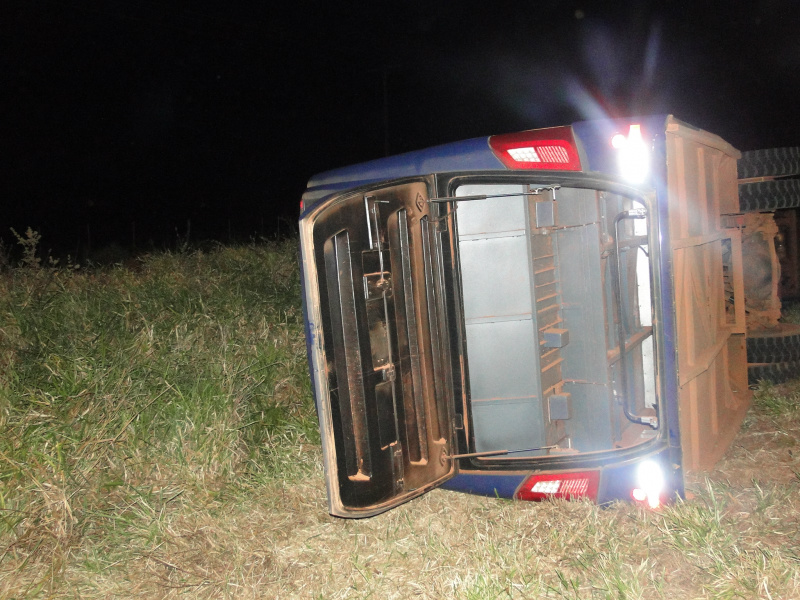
(669, 370)
(488, 483)
(595, 138)
(471, 155)
(468, 155)
(616, 479)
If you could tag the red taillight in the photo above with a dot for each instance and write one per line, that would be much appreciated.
(568, 486)
(552, 148)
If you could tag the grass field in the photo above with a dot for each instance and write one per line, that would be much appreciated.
(158, 440)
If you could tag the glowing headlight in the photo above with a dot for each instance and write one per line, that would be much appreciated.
(633, 156)
(650, 480)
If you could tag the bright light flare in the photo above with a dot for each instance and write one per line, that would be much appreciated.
(619, 141)
(633, 155)
(650, 478)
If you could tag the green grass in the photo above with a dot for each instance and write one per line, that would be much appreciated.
(125, 391)
(158, 440)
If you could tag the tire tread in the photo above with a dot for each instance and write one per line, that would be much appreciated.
(770, 162)
(778, 372)
(769, 195)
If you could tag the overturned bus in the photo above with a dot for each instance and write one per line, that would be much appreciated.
(551, 313)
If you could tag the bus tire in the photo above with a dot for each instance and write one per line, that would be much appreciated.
(773, 354)
(763, 196)
(770, 162)
(778, 346)
(779, 372)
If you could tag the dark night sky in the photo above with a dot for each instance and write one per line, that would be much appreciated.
(156, 114)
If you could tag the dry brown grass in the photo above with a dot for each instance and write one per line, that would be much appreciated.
(737, 538)
(229, 502)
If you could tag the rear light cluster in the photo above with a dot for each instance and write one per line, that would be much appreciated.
(650, 490)
(568, 486)
(552, 148)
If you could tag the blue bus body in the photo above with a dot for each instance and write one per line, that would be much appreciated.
(514, 291)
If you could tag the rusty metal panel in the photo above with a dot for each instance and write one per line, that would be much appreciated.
(707, 269)
(733, 265)
(729, 187)
(761, 270)
(712, 406)
(376, 331)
